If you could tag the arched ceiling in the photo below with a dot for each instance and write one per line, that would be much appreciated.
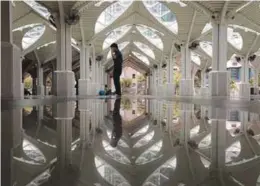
(242, 13)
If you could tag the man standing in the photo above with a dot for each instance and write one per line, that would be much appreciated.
(118, 61)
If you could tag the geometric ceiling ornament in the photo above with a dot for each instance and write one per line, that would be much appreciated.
(163, 14)
(111, 13)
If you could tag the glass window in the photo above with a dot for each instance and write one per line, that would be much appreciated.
(145, 49)
(111, 13)
(195, 58)
(44, 12)
(31, 36)
(151, 35)
(141, 57)
(163, 14)
(206, 47)
(235, 72)
(115, 35)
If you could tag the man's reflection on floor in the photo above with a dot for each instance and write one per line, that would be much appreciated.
(117, 124)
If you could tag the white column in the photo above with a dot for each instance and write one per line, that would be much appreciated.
(64, 78)
(204, 89)
(219, 76)
(84, 121)
(256, 81)
(40, 86)
(244, 86)
(84, 81)
(11, 67)
(170, 83)
(186, 83)
(186, 119)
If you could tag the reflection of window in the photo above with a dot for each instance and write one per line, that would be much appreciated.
(116, 154)
(121, 143)
(163, 14)
(233, 151)
(150, 154)
(144, 140)
(151, 35)
(162, 174)
(111, 13)
(205, 142)
(194, 131)
(141, 131)
(111, 175)
(115, 35)
(235, 39)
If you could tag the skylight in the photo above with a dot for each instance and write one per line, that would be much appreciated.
(21, 28)
(235, 39)
(195, 58)
(145, 48)
(121, 46)
(142, 58)
(233, 151)
(44, 12)
(177, 1)
(111, 13)
(163, 14)
(33, 152)
(151, 35)
(206, 28)
(115, 35)
(46, 44)
(206, 46)
(32, 36)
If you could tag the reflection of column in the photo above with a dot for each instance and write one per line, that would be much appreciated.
(218, 138)
(244, 86)
(84, 70)
(186, 119)
(11, 135)
(169, 114)
(64, 113)
(84, 120)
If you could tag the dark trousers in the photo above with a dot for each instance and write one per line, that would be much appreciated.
(116, 77)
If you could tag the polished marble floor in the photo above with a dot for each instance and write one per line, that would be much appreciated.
(130, 142)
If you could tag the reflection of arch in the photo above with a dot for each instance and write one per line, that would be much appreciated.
(116, 154)
(161, 174)
(144, 140)
(34, 154)
(107, 172)
(150, 154)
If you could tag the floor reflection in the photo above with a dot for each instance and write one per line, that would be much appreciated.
(126, 142)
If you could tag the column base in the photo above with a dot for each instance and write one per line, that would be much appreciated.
(204, 91)
(244, 90)
(170, 89)
(219, 83)
(64, 83)
(11, 72)
(64, 110)
(83, 85)
(41, 90)
(186, 87)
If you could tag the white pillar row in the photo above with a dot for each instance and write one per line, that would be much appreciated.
(219, 77)
(170, 82)
(84, 70)
(11, 67)
(186, 83)
(244, 86)
(64, 78)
